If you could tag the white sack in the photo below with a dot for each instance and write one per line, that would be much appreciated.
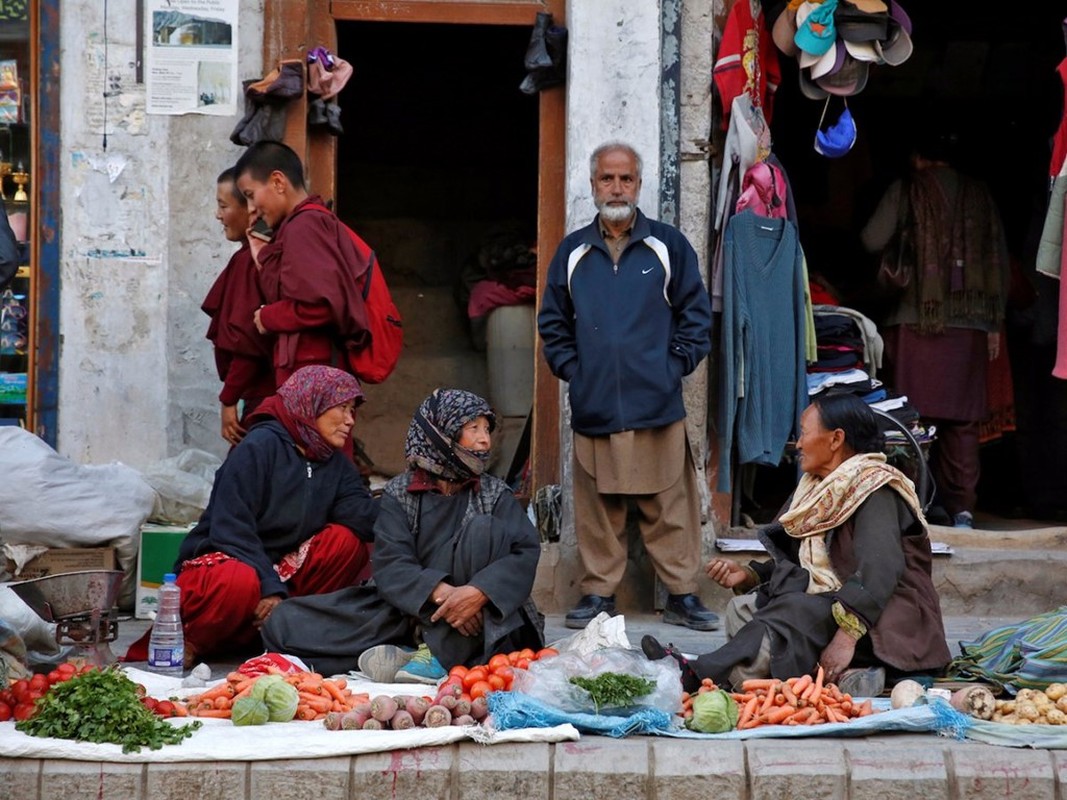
(49, 500)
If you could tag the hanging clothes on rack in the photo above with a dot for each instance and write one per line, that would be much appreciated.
(747, 62)
(762, 372)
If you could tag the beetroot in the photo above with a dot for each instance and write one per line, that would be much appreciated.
(383, 707)
(448, 701)
(437, 717)
(373, 725)
(463, 708)
(464, 719)
(332, 721)
(353, 720)
(402, 721)
(417, 707)
(479, 708)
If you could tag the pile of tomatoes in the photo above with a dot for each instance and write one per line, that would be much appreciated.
(19, 700)
(497, 675)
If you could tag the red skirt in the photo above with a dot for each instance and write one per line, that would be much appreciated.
(220, 593)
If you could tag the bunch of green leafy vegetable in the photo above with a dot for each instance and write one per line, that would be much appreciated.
(613, 689)
(102, 706)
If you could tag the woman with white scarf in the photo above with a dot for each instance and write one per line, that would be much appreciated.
(848, 586)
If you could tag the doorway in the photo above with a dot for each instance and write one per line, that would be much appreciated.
(438, 165)
(993, 79)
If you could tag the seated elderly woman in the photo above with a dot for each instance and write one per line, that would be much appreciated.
(848, 586)
(454, 562)
(289, 515)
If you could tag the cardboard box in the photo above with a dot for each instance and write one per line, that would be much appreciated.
(64, 559)
(156, 554)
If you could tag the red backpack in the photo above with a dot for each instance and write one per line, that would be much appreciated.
(374, 362)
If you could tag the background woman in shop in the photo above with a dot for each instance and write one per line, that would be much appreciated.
(289, 515)
(946, 322)
(454, 563)
(848, 585)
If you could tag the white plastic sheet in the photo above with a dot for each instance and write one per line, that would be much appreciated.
(219, 740)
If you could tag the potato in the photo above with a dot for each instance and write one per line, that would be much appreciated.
(1027, 711)
(1054, 691)
(1061, 704)
(1056, 717)
(1025, 695)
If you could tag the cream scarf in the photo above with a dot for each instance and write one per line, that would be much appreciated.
(820, 505)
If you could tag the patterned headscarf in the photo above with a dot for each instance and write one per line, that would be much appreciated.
(309, 392)
(431, 443)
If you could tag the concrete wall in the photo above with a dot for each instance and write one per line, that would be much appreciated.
(140, 248)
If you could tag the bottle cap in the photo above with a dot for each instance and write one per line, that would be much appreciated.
(170, 577)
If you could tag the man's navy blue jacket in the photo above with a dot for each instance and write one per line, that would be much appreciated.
(623, 336)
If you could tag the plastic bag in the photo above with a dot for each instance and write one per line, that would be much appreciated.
(549, 680)
(183, 486)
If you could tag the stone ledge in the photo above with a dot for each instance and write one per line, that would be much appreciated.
(883, 767)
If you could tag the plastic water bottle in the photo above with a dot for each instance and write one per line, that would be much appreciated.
(166, 645)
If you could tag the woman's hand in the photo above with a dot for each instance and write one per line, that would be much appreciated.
(441, 592)
(462, 603)
(837, 655)
(728, 574)
(993, 342)
(257, 322)
(232, 431)
(263, 609)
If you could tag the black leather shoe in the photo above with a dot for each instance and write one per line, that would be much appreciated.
(654, 651)
(588, 607)
(687, 610)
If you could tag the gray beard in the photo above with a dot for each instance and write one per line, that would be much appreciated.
(616, 213)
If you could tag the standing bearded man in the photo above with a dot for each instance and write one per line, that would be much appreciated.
(624, 317)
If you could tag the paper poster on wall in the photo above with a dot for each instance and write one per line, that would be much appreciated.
(191, 57)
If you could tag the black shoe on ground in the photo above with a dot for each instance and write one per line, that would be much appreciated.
(687, 610)
(654, 651)
(588, 607)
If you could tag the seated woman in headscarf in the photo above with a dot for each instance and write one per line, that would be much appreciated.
(454, 563)
(848, 586)
(289, 515)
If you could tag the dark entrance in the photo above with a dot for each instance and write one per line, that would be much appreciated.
(439, 157)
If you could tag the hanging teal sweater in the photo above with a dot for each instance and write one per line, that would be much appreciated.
(763, 386)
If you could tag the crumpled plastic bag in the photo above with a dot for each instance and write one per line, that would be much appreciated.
(183, 486)
(602, 631)
(549, 681)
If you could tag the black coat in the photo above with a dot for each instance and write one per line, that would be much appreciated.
(268, 499)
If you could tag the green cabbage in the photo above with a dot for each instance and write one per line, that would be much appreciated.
(713, 712)
(249, 711)
(281, 699)
(259, 688)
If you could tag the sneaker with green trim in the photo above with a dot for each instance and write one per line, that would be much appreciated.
(422, 668)
(380, 663)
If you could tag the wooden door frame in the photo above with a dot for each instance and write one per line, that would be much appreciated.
(288, 28)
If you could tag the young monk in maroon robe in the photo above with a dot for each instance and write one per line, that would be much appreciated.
(312, 274)
(243, 355)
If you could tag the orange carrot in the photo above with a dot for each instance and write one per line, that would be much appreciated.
(222, 690)
(305, 712)
(778, 715)
(315, 701)
(222, 703)
(747, 712)
(180, 710)
(754, 684)
(215, 713)
(865, 709)
(335, 692)
(787, 692)
(768, 701)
